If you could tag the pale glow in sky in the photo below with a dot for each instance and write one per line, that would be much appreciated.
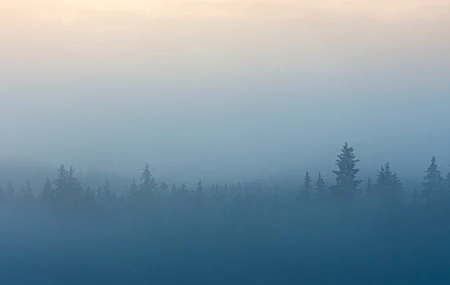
(70, 9)
(202, 81)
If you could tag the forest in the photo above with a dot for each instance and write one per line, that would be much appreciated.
(347, 231)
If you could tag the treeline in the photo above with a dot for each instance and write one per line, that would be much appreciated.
(383, 195)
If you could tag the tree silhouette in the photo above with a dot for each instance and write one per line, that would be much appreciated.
(61, 183)
(346, 188)
(388, 185)
(433, 185)
(306, 191)
(321, 189)
(148, 184)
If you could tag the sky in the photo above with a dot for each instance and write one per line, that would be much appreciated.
(243, 87)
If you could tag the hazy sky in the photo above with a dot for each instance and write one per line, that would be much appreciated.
(254, 84)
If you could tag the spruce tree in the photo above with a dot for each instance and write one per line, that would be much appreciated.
(432, 187)
(321, 190)
(388, 185)
(148, 185)
(61, 183)
(346, 188)
(307, 188)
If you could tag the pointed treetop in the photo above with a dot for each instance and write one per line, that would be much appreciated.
(307, 179)
(433, 184)
(320, 181)
(146, 175)
(346, 184)
(321, 187)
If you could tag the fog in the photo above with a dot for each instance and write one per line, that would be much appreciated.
(224, 142)
(225, 95)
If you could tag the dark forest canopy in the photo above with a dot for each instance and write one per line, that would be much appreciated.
(351, 230)
(66, 192)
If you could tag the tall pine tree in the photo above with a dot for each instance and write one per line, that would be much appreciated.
(346, 188)
(61, 183)
(148, 184)
(433, 186)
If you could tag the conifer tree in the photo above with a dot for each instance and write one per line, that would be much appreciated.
(61, 183)
(148, 185)
(346, 188)
(388, 184)
(321, 190)
(432, 187)
(307, 188)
